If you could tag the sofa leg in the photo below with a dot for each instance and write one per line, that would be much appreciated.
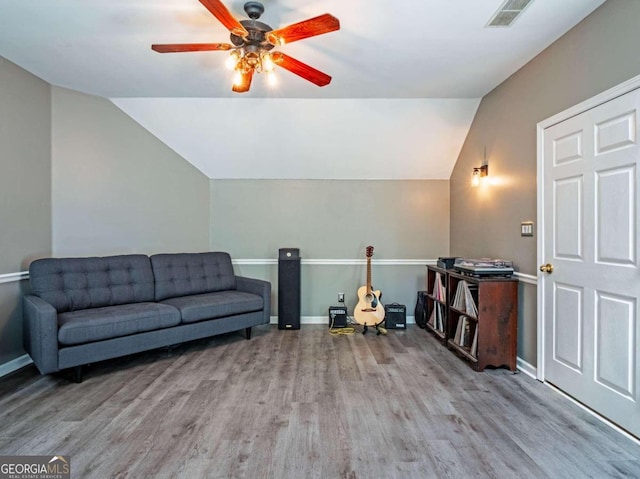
(77, 374)
(247, 332)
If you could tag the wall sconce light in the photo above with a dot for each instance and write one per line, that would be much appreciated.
(479, 172)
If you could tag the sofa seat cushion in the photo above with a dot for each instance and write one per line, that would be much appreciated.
(97, 324)
(200, 307)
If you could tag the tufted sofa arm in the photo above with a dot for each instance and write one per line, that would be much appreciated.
(259, 287)
(41, 333)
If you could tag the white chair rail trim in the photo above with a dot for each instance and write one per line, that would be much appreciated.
(11, 277)
(339, 262)
(525, 278)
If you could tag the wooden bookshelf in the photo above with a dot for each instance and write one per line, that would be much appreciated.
(495, 322)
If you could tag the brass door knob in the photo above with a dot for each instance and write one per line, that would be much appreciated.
(547, 268)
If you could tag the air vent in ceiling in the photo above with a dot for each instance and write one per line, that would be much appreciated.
(508, 12)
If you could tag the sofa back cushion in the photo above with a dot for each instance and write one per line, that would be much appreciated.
(183, 274)
(70, 284)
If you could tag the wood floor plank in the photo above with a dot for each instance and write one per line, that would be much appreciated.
(291, 404)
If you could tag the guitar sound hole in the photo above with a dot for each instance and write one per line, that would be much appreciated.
(369, 298)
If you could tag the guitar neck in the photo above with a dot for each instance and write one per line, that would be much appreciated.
(368, 275)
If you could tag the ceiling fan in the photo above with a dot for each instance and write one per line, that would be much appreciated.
(252, 42)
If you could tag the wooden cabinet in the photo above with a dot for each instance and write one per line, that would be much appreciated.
(480, 316)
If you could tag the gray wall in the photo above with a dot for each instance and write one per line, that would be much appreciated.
(597, 54)
(79, 177)
(25, 191)
(334, 220)
(117, 188)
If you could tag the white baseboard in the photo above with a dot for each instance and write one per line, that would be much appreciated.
(526, 368)
(14, 365)
(325, 320)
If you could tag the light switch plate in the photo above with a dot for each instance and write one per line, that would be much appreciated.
(526, 228)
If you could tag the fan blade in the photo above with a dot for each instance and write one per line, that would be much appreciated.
(245, 83)
(299, 31)
(301, 69)
(225, 17)
(189, 47)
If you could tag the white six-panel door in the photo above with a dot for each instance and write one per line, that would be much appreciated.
(590, 222)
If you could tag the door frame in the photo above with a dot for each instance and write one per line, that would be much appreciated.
(604, 97)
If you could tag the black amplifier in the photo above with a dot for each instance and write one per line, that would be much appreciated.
(395, 316)
(337, 316)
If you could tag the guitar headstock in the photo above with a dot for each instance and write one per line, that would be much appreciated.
(369, 251)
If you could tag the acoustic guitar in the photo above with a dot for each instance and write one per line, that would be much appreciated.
(369, 310)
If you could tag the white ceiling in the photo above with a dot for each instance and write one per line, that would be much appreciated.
(409, 49)
(415, 49)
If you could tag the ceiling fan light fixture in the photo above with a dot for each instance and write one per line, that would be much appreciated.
(233, 59)
(252, 59)
(272, 78)
(237, 78)
(267, 63)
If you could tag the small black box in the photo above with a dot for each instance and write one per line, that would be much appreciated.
(395, 316)
(337, 316)
(446, 262)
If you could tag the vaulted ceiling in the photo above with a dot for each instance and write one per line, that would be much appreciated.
(392, 63)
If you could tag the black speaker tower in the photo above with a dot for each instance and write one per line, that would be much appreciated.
(288, 288)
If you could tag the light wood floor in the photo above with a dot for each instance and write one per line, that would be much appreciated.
(304, 404)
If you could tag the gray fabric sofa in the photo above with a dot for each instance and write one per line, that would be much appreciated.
(84, 310)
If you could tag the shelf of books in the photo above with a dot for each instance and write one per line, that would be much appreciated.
(437, 301)
(464, 316)
(482, 320)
